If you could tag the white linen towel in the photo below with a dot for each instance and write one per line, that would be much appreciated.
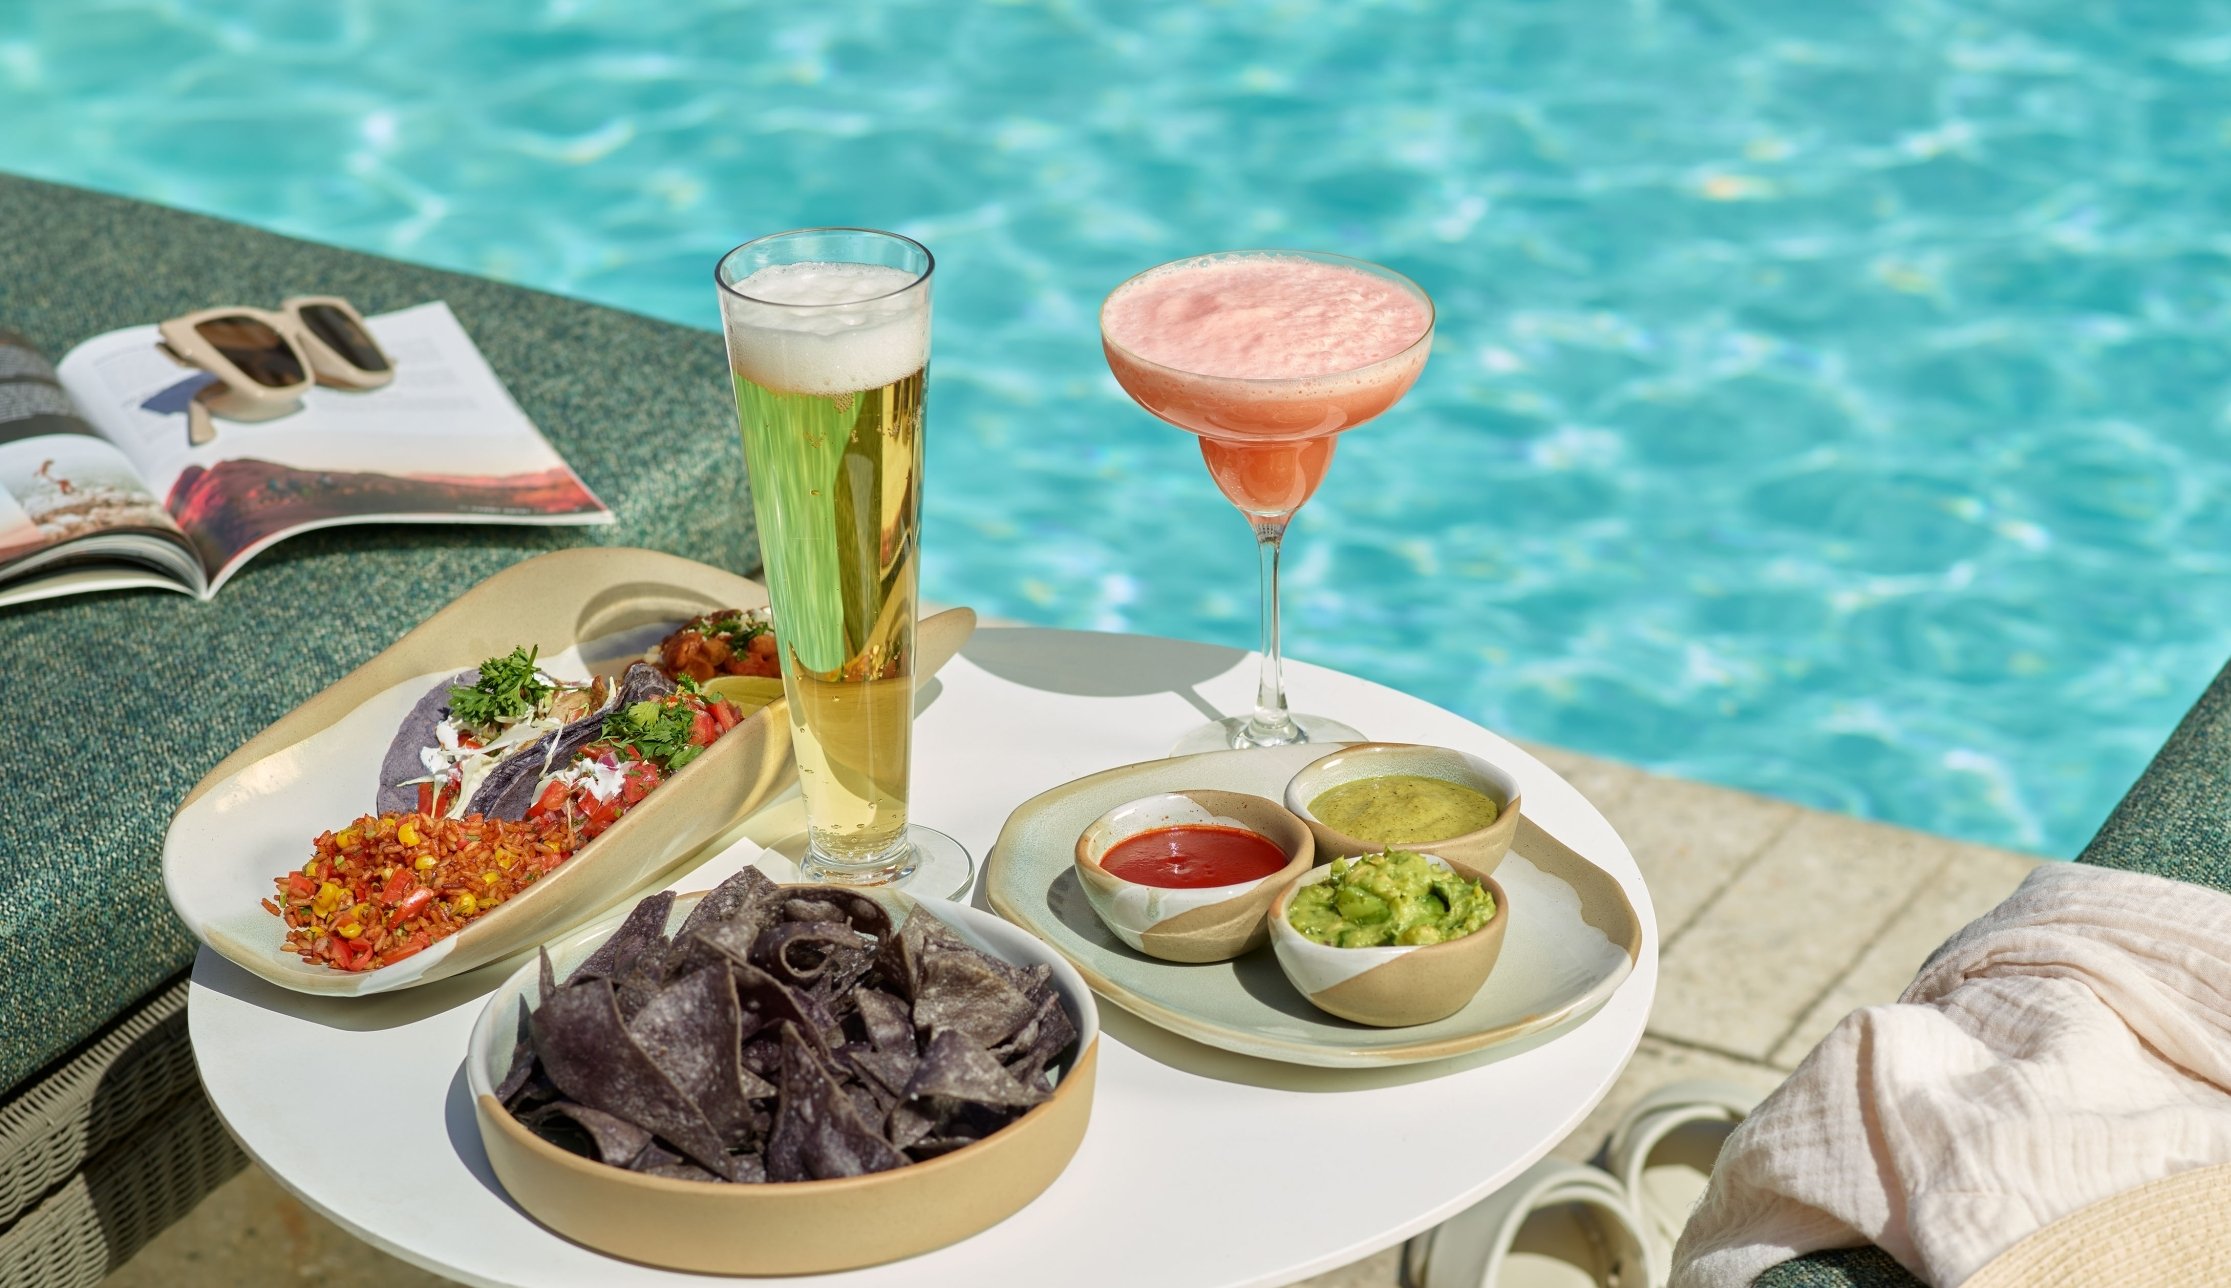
(2071, 1043)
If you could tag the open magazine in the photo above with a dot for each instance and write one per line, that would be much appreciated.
(101, 490)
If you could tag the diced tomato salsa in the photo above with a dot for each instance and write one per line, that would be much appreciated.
(595, 801)
(579, 805)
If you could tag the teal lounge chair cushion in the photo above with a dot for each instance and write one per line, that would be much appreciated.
(116, 704)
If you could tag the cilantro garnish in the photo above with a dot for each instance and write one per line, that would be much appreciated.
(508, 688)
(657, 730)
(739, 629)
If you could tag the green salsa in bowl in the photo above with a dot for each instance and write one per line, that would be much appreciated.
(1368, 797)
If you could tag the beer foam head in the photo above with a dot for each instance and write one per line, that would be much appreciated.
(823, 328)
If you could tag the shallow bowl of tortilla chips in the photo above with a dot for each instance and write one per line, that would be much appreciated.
(657, 1015)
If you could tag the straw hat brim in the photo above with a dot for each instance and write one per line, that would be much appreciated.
(2172, 1232)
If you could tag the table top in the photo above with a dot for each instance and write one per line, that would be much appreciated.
(358, 1105)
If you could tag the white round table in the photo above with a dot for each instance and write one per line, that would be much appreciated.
(1200, 1167)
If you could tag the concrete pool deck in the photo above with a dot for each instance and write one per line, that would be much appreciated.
(1774, 922)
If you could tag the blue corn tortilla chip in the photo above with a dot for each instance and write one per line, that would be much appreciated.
(509, 789)
(952, 984)
(911, 1123)
(819, 1132)
(748, 904)
(584, 1046)
(780, 1036)
(936, 1126)
(1036, 981)
(532, 1094)
(846, 906)
(956, 1067)
(869, 1101)
(644, 924)
(522, 1050)
(769, 1001)
(640, 977)
(655, 1156)
(898, 958)
(812, 909)
(747, 899)
(886, 1021)
(846, 966)
(957, 988)
(1037, 1044)
(889, 1071)
(692, 1030)
(842, 975)
(1032, 981)
(614, 1140)
(799, 952)
(762, 1055)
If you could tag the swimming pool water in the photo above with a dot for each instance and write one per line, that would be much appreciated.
(1829, 400)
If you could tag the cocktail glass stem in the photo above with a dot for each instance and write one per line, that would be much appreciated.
(1272, 725)
(1266, 356)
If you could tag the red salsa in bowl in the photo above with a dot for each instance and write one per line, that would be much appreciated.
(1193, 856)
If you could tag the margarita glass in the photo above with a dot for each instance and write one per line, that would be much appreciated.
(1266, 356)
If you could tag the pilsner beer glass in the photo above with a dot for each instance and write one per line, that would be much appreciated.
(828, 338)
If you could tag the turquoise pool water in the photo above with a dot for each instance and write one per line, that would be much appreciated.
(1830, 399)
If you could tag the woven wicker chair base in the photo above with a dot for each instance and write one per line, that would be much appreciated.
(99, 1156)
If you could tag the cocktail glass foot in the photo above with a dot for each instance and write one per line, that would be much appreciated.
(1233, 734)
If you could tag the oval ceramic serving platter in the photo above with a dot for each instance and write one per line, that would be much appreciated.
(1573, 935)
(253, 818)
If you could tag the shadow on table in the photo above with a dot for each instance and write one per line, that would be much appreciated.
(463, 1126)
(366, 1014)
(1157, 1043)
(1092, 664)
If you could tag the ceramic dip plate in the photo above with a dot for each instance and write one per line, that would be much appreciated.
(588, 611)
(1573, 935)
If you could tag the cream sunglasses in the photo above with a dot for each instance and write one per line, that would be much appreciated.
(265, 361)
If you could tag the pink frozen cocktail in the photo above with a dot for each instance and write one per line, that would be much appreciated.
(1267, 355)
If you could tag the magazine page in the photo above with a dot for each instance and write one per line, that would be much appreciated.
(443, 443)
(81, 571)
(68, 498)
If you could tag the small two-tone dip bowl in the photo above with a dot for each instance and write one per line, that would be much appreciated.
(1189, 876)
(1362, 798)
(1394, 985)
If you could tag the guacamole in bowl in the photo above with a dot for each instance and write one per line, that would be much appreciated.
(1392, 899)
(1389, 939)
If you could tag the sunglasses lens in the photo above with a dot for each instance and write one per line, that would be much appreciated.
(254, 347)
(341, 334)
